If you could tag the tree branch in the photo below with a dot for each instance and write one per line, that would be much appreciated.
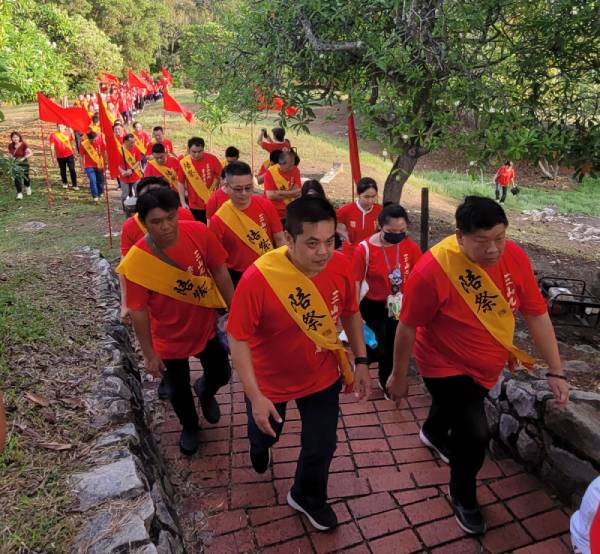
(321, 46)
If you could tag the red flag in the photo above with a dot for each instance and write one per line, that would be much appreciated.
(291, 110)
(167, 75)
(108, 78)
(171, 105)
(76, 118)
(113, 148)
(147, 76)
(353, 147)
(134, 81)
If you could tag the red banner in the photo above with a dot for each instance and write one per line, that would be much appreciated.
(134, 81)
(108, 78)
(353, 148)
(147, 76)
(76, 118)
(167, 75)
(171, 105)
(113, 148)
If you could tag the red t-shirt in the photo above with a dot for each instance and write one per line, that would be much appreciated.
(99, 146)
(360, 225)
(408, 254)
(131, 232)
(216, 200)
(272, 146)
(19, 151)
(450, 339)
(239, 254)
(179, 329)
(134, 177)
(505, 174)
(209, 168)
(294, 182)
(286, 362)
(171, 163)
(62, 151)
(263, 168)
(166, 142)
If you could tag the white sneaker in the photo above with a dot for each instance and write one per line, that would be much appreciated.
(19, 196)
(65, 186)
(28, 191)
(96, 199)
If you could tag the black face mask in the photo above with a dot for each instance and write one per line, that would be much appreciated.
(394, 238)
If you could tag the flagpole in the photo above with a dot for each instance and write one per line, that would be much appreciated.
(110, 241)
(49, 192)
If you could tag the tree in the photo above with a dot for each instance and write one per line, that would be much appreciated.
(412, 70)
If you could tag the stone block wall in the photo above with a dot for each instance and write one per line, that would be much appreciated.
(560, 444)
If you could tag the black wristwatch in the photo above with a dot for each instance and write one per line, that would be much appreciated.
(361, 360)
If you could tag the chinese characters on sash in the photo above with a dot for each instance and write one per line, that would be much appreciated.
(185, 286)
(300, 302)
(471, 284)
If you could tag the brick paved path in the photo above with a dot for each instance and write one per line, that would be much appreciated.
(389, 492)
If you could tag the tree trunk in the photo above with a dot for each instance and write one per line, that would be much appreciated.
(550, 171)
(401, 171)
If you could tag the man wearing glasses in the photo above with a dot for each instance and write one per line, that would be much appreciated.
(247, 225)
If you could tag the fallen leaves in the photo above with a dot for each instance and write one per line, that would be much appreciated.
(39, 400)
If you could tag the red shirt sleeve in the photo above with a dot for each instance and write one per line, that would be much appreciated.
(269, 183)
(216, 166)
(532, 301)
(184, 214)
(359, 260)
(180, 174)
(215, 255)
(137, 296)
(420, 303)
(273, 216)
(246, 307)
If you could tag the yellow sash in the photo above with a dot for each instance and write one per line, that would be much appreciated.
(140, 224)
(166, 172)
(481, 294)
(194, 178)
(92, 152)
(304, 304)
(152, 273)
(95, 128)
(131, 161)
(64, 139)
(280, 181)
(139, 144)
(245, 228)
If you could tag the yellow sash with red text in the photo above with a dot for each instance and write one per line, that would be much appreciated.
(131, 161)
(304, 304)
(481, 295)
(139, 144)
(169, 174)
(194, 178)
(64, 139)
(280, 181)
(150, 272)
(92, 152)
(245, 228)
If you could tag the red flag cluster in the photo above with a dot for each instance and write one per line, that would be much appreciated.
(277, 104)
(171, 105)
(75, 118)
(168, 77)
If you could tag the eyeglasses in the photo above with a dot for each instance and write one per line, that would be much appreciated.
(239, 190)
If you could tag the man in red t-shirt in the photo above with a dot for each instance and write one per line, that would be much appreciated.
(130, 171)
(61, 147)
(457, 355)
(202, 180)
(278, 142)
(158, 137)
(162, 165)
(142, 139)
(93, 151)
(241, 253)
(171, 329)
(283, 183)
(504, 177)
(278, 362)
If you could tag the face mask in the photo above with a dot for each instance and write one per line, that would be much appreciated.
(394, 238)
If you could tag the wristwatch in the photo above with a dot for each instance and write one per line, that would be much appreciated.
(361, 360)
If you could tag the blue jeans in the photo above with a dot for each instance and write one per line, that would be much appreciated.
(96, 178)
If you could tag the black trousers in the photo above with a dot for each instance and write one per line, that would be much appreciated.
(69, 162)
(235, 276)
(319, 416)
(217, 373)
(457, 411)
(199, 215)
(23, 179)
(504, 189)
(375, 314)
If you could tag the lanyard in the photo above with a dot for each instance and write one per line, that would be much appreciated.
(395, 275)
(387, 262)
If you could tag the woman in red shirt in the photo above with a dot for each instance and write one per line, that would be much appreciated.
(384, 262)
(19, 150)
(358, 221)
(504, 176)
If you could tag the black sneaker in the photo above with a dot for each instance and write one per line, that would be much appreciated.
(470, 520)
(165, 389)
(441, 450)
(208, 404)
(262, 461)
(189, 441)
(322, 519)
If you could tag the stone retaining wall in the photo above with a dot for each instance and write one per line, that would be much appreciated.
(124, 493)
(561, 445)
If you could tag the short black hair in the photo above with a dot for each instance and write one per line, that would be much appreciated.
(164, 198)
(307, 209)
(365, 184)
(157, 128)
(237, 168)
(128, 136)
(117, 124)
(136, 123)
(274, 156)
(391, 211)
(149, 181)
(312, 187)
(158, 148)
(291, 153)
(195, 141)
(278, 134)
(95, 118)
(479, 213)
(232, 152)
(91, 135)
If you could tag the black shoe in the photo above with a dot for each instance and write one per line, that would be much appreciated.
(262, 461)
(165, 389)
(442, 450)
(189, 441)
(470, 520)
(323, 518)
(208, 403)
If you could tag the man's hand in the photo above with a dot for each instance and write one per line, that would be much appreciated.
(560, 390)
(362, 381)
(262, 408)
(397, 387)
(154, 365)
